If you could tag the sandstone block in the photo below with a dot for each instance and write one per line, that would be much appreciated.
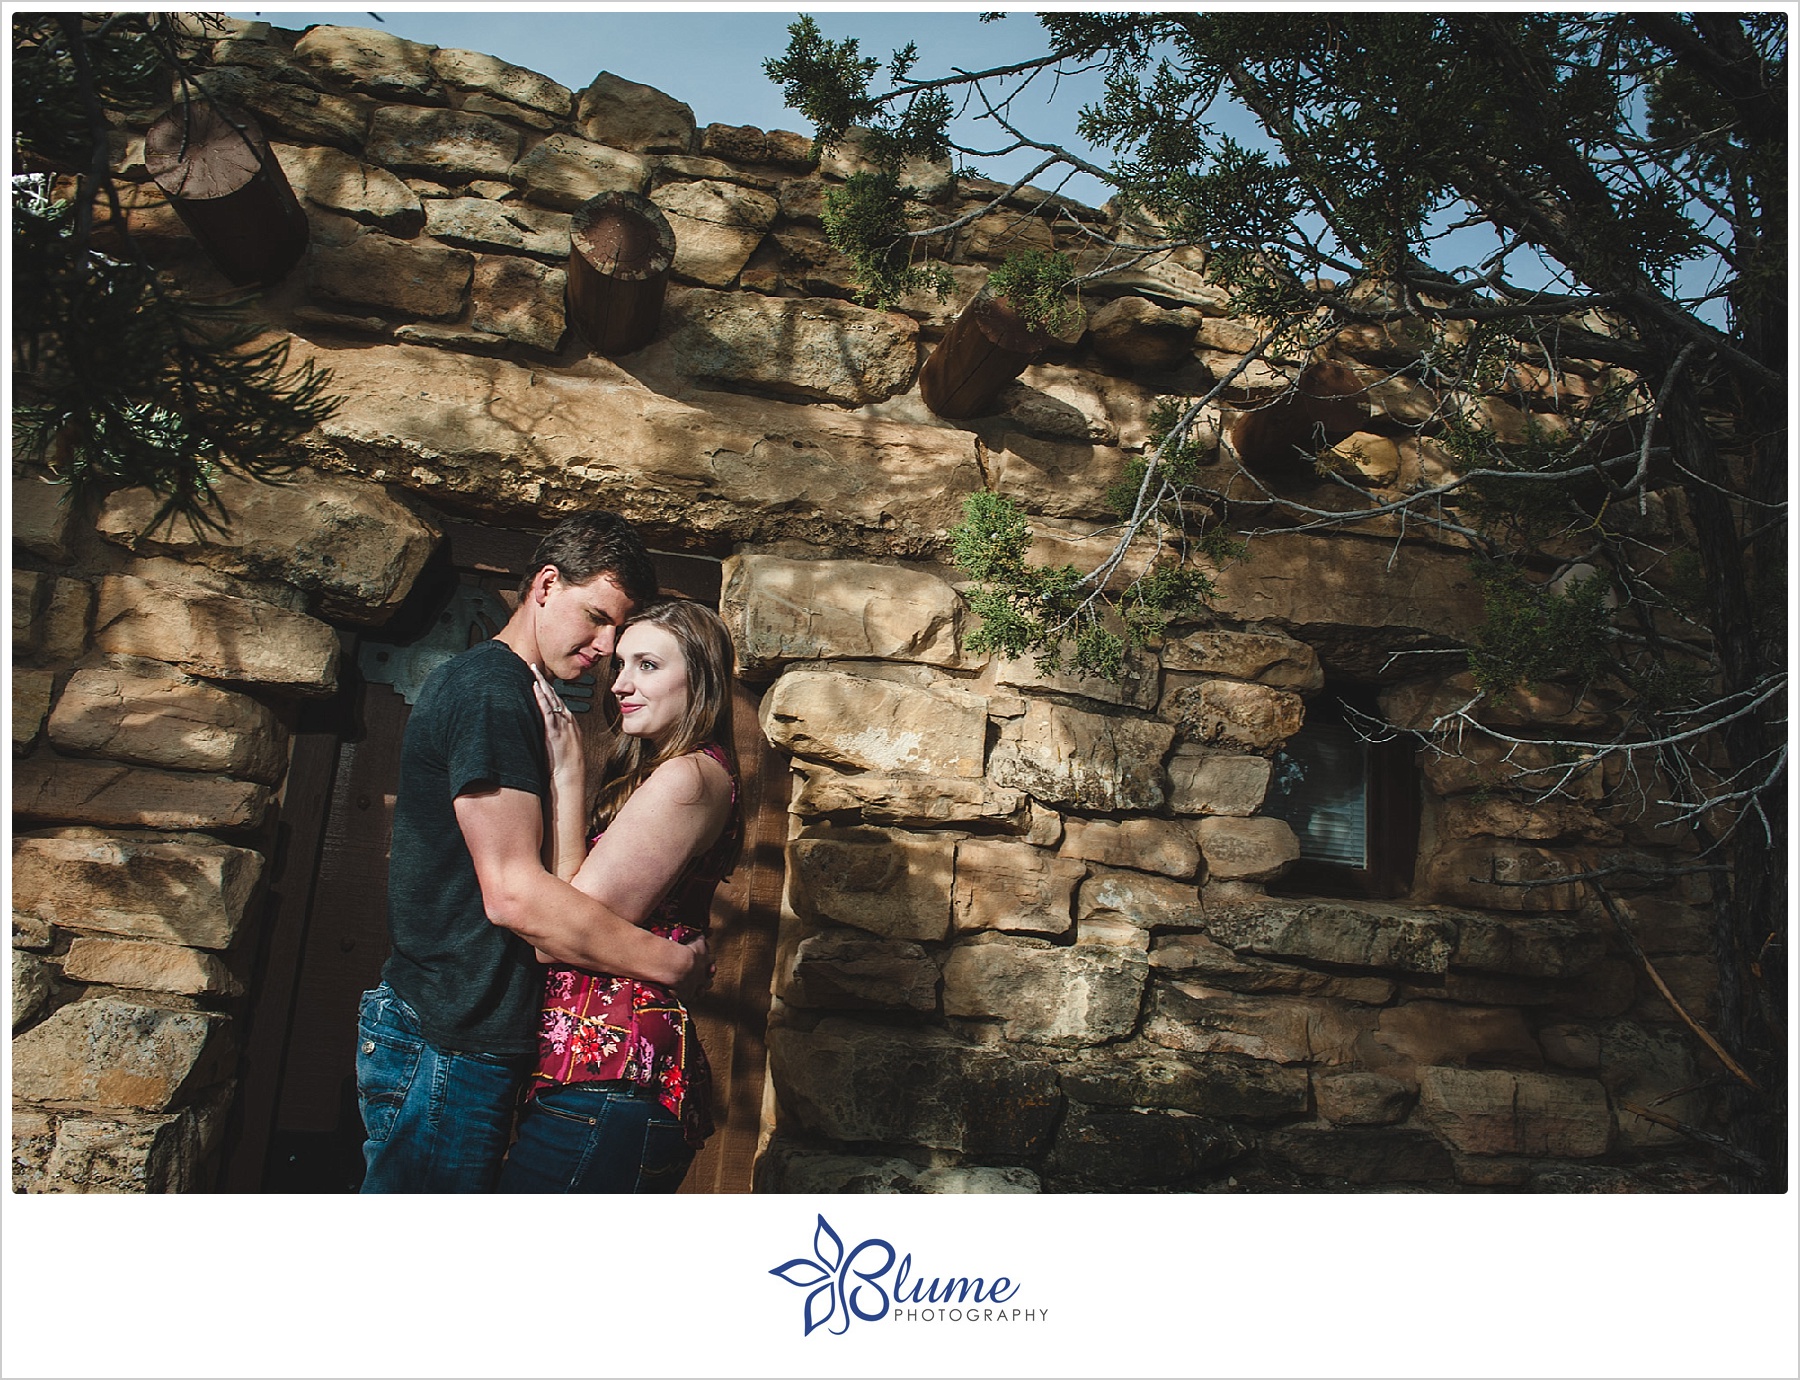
(216, 636)
(1195, 955)
(1061, 996)
(1434, 705)
(1285, 1030)
(30, 592)
(148, 966)
(63, 628)
(1499, 1112)
(106, 1052)
(1149, 845)
(1365, 458)
(707, 469)
(375, 270)
(288, 109)
(150, 714)
(717, 227)
(31, 692)
(1475, 763)
(1231, 713)
(1145, 901)
(1009, 885)
(33, 1137)
(69, 790)
(1350, 934)
(1361, 1099)
(1660, 924)
(930, 181)
(1570, 1046)
(1123, 1149)
(916, 1087)
(810, 348)
(473, 222)
(1265, 657)
(847, 970)
(451, 145)
(877, 725)
(371, 60)
(1220, 1085)
(1493, 875)
(903, 798)
(1202, 782)
(134, 1154)
(32, 981)
(1059, 479)
(1536, 821)
(1136, 334)
(785, 1168)
(519, 300)
(782, 610)
(748, 144)
(1441, 1032)
(41, 515)
(892, 884)
(344, 541)
(565, 172)
(1650, 1068)
(1539, 947)
(333, 179)
(1330, 590)
(1065, 756)
(1246, 850)
(1361, 1155)
(1137, 686)
(630, 115)
(477, 72)
(186, 891)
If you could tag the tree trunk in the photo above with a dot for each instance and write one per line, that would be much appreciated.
(986, 348)
(620, 249)
(216, 169)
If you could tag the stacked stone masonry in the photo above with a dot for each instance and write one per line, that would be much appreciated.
(1034, 935)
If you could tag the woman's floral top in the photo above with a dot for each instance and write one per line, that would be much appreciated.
(597, 1028)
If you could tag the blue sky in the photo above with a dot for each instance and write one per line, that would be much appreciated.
(712, 58)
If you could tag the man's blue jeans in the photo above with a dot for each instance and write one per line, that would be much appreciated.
(596, 1138)
(436, 1120)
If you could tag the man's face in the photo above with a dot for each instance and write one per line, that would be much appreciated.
(577, 624)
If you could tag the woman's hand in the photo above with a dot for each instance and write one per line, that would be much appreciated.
(561, 737)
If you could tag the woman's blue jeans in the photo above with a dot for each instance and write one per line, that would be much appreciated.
(435, 1120)
(596, 1138)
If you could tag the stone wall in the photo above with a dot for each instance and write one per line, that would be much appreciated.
(1028, 941)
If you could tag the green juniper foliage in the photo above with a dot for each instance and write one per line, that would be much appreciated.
(120, 378)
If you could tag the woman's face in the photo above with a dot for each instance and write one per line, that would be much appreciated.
(652, 684)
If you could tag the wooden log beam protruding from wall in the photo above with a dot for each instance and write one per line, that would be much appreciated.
(215, 167)
(620, 250)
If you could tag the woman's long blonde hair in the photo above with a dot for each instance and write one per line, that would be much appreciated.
(711, 660)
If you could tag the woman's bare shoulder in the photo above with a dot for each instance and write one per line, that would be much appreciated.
(693, 779)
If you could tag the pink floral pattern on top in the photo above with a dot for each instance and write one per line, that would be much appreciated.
(599, 1028)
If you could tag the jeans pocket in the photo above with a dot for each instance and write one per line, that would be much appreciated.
(387, 1060)
(666, 1157)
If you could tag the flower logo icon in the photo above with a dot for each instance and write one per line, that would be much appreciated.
(828, 1273)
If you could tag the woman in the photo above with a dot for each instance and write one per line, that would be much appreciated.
(619, 1100)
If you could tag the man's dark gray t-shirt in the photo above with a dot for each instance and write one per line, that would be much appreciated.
(475, 985)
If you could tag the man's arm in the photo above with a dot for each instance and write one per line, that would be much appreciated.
(504, 830)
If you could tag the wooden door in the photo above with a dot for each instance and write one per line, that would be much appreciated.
(295, 1127)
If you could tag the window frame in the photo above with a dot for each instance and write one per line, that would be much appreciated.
(1391, 803)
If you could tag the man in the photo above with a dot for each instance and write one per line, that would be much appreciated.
(447, 1037)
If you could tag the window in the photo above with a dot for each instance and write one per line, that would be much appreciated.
(1351, 796)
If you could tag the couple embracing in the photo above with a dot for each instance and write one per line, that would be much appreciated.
(542, 945)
